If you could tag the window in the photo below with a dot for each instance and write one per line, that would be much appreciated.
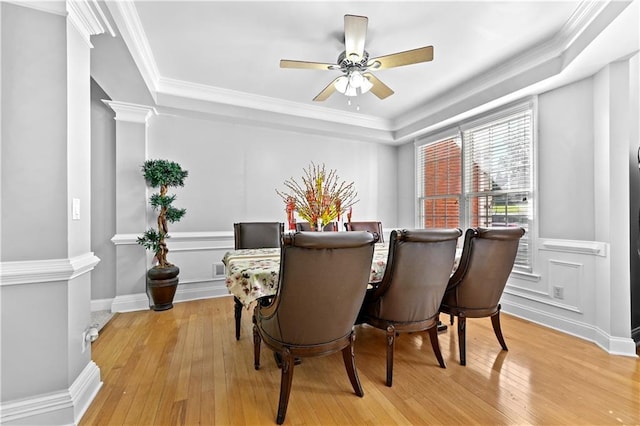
(480, 174)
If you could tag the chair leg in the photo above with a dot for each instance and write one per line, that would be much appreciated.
(495, 321)
(391, 341)
(238, 315)
(462, 337)
(256, 347)
(451, 319)
(435, 344)
(285, 384)
(349, 358)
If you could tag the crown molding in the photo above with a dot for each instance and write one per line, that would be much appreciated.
(88, 18)
(54, 7)
(230, 114)
(578, 21)
(128, 22)
(543, 61)
(190, 90)
(548, 59)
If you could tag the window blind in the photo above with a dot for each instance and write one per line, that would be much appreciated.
(480, 175)
(497, 175)
(440, 183)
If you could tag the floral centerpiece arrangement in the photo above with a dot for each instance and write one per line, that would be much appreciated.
(320, 199)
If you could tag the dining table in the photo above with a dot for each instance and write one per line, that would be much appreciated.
(252, 274)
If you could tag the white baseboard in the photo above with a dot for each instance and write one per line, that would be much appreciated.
(60, 408)
(130, 303)
(140, 301)
(611, 344)
(101, 305)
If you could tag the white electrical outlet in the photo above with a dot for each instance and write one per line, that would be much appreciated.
(218, 269)
(558, 292)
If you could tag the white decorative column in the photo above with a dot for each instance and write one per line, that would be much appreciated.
(48, 376)
(131, 205)
(612, 131)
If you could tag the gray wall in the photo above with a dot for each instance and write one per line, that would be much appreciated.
(634, 197)
(565, 162)
(35, 52)
(103, 221)
(115, 71)
(46, 257)
(234, 170)
(406, 186)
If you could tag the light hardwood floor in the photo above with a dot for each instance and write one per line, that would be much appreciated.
(184, 366)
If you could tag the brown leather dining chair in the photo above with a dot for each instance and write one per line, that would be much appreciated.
(322, 282)
(371, 226)
(408, 297)
(251, 235)
(475, 288)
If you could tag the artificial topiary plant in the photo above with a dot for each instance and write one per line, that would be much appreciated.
(162, 174)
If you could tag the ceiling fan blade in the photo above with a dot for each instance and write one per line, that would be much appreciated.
(355, 33)
(422, 54)
(379, 89)
(286, 63)
(326, 92)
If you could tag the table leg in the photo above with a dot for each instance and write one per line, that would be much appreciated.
(238, 315)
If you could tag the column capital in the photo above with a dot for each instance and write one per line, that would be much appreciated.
(131, 112)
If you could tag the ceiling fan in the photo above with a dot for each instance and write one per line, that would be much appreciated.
(355, 65)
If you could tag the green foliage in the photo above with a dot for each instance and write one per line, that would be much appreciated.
(163, 172)
(159, 201)
(151, 239)
(174, 215)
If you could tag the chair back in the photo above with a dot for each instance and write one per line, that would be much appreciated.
(418, 269)
(252, 235)
(371, 226)
(322, 283)
(488, 256)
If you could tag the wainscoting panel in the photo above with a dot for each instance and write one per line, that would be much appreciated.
(202, 275)
(563, 294)
(564, 283)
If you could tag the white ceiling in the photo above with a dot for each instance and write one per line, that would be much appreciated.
(228, 53)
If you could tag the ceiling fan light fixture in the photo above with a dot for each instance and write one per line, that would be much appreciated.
(351, 91)
(366, 85)
(355, 66)
(341, 84)
(356, 78)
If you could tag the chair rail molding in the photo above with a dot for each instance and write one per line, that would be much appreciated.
(198, 254)
(574, 246)
(47, 270)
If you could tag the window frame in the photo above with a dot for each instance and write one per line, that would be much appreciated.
(457, 130)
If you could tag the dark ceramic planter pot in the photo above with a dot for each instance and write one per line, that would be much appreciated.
(162, 284)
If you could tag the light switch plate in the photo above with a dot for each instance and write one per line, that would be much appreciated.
(75, 209)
